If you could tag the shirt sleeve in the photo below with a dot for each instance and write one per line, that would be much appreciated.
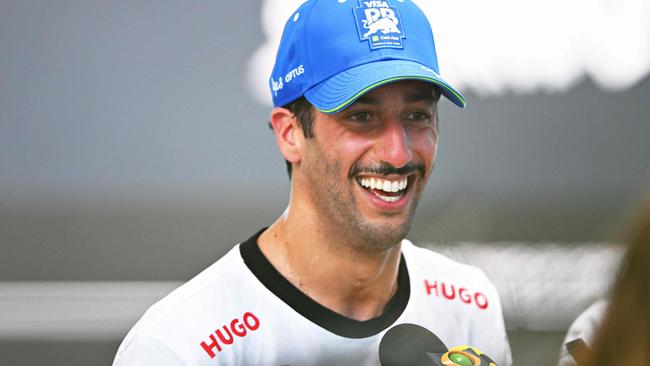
(143, 350)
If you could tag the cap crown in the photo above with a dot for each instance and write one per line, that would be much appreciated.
(325, 37)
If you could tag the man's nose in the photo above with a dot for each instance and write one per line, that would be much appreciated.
(395, 145)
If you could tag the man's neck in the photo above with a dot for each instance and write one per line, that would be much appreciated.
(356, 284)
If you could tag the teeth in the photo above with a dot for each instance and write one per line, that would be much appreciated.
(389, 199)
(385, 185)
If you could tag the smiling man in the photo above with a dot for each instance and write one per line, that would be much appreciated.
(333, 281)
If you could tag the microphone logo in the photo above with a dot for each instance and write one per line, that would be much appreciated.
(463, 356)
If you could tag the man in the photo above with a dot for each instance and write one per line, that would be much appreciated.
(332, 281)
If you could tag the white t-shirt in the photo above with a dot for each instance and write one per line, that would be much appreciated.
(241, 311)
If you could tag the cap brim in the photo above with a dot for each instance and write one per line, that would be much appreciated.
(342, 89)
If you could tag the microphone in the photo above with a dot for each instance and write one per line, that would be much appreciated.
(413, 345)
(578, 349)
(409, 344)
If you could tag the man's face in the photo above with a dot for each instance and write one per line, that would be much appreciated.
(367, 165)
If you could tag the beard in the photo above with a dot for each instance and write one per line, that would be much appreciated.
(338, 211)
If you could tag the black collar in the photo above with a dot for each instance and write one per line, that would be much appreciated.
(315, 312)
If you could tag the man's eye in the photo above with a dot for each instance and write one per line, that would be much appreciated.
(419, 116)
(360, 116)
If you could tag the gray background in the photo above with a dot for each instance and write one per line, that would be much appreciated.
(130, 149)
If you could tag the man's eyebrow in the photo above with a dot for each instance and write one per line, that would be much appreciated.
(365, 99)
(420, 96)
(425, 95)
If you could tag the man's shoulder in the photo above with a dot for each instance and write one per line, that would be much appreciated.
(433, 274)
(208, 288)
(193, 310)
(426, 260)
(443, 288)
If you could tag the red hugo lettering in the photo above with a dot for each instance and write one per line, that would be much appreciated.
(449, 292)
(225, 334)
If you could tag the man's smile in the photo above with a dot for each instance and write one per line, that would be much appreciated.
(389, 190)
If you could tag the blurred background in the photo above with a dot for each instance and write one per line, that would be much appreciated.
(134, 152)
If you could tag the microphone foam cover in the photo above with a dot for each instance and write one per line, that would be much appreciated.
(409, 344)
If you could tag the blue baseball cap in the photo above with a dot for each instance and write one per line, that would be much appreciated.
(334, 51)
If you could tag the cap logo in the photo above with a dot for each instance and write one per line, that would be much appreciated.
(380, 24)
(276, 85)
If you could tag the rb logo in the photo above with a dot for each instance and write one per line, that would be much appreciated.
(379, 23)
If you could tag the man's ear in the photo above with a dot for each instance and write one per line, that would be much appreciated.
(288, 134)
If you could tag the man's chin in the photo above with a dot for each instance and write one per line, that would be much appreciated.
(383, 235)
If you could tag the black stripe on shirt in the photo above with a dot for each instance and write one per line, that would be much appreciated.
(334, 322)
